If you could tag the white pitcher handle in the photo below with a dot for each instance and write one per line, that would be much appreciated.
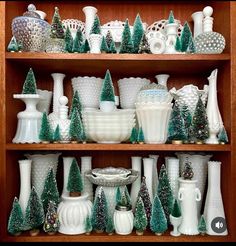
(181, 194)
(198, 195)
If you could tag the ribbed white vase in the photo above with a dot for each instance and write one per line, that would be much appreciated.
(214, 207)
(72, 213)
(66, 168)
(172, 165)
(86, 164)
(154, 174)
(148, 164)
(136, 163)
(25, 183)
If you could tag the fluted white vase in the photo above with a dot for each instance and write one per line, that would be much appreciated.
(90, 13)
(154, 174)
(212, 110)
(197, 23)
(188, 195)
(41, 164)
(86, 164)
(72, 213)
(66, 168)
(148, 164)
(25, 183)
(172, 165)
(214, 209)
(136, 164)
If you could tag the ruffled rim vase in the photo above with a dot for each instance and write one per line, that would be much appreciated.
(29, 120)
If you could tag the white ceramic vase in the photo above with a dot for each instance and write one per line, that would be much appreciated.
(41, 163)
(162, 80)
(86, 164)
(107, 106)
(148, 167)
(90, 13)
(175, 221)
(95, 41)
(72, 213)
(154, 174)
(172, 165)
(29, 120)
(214, 209)
(58, 91)
(199, 165)
(136, 164)
(66, 168)
(44, 104)
(188, 196)
(171, 34)
(197, 23)
(212, 110)
(123, 220)
(25, 183)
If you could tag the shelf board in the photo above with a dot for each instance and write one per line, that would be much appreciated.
(102, 237)
(123, 64)
(121, 147)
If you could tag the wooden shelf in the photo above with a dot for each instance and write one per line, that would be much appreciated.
(121, 147)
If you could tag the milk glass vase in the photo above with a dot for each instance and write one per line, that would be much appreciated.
(172, 165)
(148, 166)
(66, 168)
(90, 13)
(86, 164)
(197, 23)
(155, 179)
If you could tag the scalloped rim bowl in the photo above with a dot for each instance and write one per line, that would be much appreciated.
(111, 172)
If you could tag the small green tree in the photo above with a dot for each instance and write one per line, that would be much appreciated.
(29, 86)
(171, 18)
(96, 27)
(178, 46)
(104, 48)
(109, 39)
(188, 170)
(144, 46)
(175, 212)
(158, 223)
(88, 225)
(126, 41)
(51, 224)
(100, 211)
(12, 46)
(56, 26)
(202, 225)
(118, 195)
(176, 127)
(127, 195)
(16, 219)
(137, 33)
(77, 42)
(68, 40)
(107, 91)
(110, 225)
(140, 138)
(164, 192)
(75, 183)
(185, 36)
(46, 133)
(57, 135)
(222, 136)
(34, 215)
(133, 136)
(140, 218)
(76, 126)
(191, 46)
(123, 200)
(187, 117)
(200, 125)
(50, 191)
(85, 48)
(75, 104)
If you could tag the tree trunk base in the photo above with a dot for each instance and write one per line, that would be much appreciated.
(34, 232)
(177, 141)
(199, 142)
(139, 233)
(75, 194)
(99, 231)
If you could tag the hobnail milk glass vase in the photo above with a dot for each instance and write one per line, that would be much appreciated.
(214, 208)
(41, 163)
(66, 168)
(86, 164)
(95, 41)
(172, 166)
(25, 183)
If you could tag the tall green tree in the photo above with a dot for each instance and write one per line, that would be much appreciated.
(76, 103)
(164, 192)
(107, 91)
(110, 225)
(158, 223)
(29, 86)
(175, 212)
(200, 124)
(222, 136)
(112, 48)
(16, 219)
(188, 170)
(104, 48)
(77, 42)
(185, 36)
(140, 218)
(137, 33)
(68, 40)
(126, 42)
(96, 27)
(34, 215)
(46, 133)
(50, 191)
(57, 135)
(144, 46)
(171, 18)
(118, 195)
(109, 38)
(56, 26)
(75, 183)
(76, 126)
(100, 211)
(202, 225)
(176, 127)
(187, 117)
(178, 46)
(127, 195)
(191, 45)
